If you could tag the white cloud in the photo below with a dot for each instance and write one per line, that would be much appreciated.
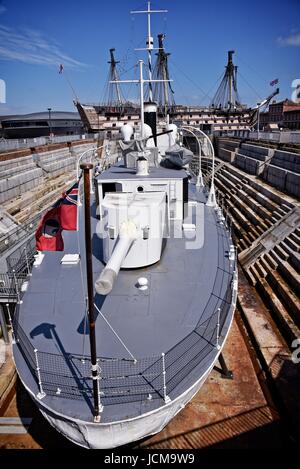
(32, 47)
(292, 40)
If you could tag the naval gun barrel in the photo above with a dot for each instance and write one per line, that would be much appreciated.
(105, 282)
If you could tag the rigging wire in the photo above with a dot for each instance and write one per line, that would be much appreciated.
(104, 92)
(127, 96)
(178, 83)
(253, 70)
(250, 86)
(94, 87)
(127, 71)
(114, 332)
(207, 95)
(187, 77)
(165, 26)
(84, 291)
(67, 79)
(130, 56)
(133, 38)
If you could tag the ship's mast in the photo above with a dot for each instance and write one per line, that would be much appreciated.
(141, 82)
(163, 93)
(115, 97)
(230, 70)
(149, 42)
(98, 407)
(226, 97)
(113, 63)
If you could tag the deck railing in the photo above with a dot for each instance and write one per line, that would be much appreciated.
(19, 233)
(286, 136)
(22, 143)
(19, 263)
(68, 376)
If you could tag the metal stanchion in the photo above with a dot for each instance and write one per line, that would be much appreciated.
(3, 325)
(166, 397)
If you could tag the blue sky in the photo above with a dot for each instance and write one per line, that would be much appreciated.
(36, 36)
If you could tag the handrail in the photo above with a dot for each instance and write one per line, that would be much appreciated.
(125, 380)
(132, 379)
(207, 138)
(85, 153)
(199, 177)
(20, 231)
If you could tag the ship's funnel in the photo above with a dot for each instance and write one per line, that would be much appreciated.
(150, 117)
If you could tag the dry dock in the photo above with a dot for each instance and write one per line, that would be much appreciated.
(258, 188)
(225, 413)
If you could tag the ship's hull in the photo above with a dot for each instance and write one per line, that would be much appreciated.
(145, 409)
(110, 435)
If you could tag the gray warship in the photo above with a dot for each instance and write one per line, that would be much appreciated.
(116, 333)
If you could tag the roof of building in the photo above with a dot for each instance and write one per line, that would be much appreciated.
(285, 102)
(55, 115)
(293, 108)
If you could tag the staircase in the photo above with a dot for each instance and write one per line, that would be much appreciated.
(277, 233)
(266, 230)
(208, 175)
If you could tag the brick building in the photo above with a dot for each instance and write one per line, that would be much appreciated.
(285, 114)
(291, 119)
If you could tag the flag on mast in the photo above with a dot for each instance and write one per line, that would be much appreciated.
(274, 82)
(61, 216)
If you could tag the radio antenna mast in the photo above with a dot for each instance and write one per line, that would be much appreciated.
(149, 42)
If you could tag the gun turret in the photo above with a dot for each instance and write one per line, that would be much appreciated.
(133, 233)
(105, 282)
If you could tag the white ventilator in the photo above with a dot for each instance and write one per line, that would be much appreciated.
(126, 132)
(147, 131)
(173, 135)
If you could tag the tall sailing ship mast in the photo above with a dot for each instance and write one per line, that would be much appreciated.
(227, 97)
(163, 92)
(225, 113)
(115, 96)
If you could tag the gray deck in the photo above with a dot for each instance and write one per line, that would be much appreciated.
(127, 173)
(176, 315)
